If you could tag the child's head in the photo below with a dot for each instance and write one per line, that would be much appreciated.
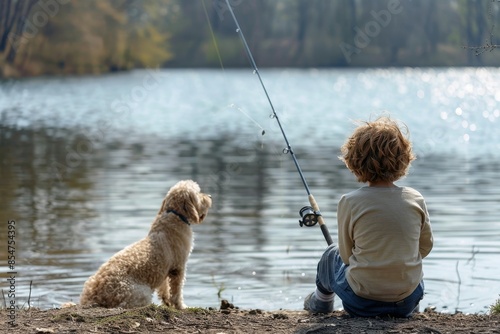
(378, 151)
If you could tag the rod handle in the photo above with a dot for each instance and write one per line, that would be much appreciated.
(324, 228)
(315, 207)
(326, 234)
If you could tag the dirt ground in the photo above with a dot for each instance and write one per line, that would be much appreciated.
(228, 320)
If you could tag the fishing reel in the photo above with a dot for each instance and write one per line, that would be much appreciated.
(309, 216)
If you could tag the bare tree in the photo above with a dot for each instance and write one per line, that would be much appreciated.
(13, 18)
(8, 17)
(490, 45)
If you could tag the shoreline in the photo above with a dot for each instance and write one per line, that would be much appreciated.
(229, 319)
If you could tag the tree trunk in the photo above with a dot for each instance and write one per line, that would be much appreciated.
(302, 7)
(9, 19)
(480, 23)
(22, 14)
(470, 31)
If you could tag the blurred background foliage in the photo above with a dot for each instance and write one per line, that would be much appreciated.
(48, 37)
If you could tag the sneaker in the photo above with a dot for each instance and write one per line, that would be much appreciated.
(312, 304)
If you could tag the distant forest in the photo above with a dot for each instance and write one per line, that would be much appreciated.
(53, 37)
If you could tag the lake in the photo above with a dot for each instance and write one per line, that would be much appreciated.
(86, 162)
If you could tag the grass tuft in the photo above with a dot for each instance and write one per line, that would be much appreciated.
(220, 287)
(495, 308)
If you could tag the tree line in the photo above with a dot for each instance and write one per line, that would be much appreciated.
(50, 37)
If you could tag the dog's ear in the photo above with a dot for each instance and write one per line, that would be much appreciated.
(191, 205)
(163, 206)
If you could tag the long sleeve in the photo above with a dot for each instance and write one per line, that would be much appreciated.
(346, 242)
(426, 240)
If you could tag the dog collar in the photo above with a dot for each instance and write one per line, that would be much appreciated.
(181, 216)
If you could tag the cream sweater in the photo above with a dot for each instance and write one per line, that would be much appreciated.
(383, 235)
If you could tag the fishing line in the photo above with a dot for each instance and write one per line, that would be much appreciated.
(214, 41)
(310, 214)
(213, 35)
(232, 105)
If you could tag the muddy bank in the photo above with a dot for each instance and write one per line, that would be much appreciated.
(154, 318)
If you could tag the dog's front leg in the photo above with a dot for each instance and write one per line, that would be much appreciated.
(164, 292)
(177, 278)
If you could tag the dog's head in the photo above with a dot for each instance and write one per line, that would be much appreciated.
(186, 199)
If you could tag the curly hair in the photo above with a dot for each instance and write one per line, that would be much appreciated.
(378, 151)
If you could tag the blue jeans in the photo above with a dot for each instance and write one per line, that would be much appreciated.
(330, 278)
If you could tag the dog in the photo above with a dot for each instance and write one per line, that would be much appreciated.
(155, 263)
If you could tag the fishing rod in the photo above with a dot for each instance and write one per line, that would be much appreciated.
(310, 214)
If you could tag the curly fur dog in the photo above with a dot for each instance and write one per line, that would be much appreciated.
(155, 263)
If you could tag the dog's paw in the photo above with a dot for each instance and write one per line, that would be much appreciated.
(177, 305)
(180, 306)
(68, 304)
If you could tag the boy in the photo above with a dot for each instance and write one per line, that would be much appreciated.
(384, 231)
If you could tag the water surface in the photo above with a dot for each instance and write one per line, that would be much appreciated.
(86, 162)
